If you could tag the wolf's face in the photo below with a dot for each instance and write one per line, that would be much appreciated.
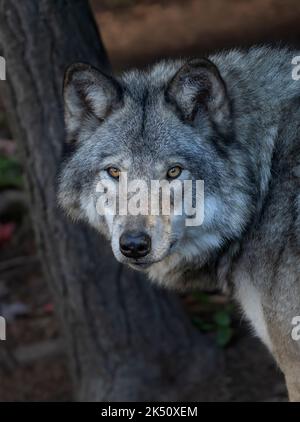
(171, 123)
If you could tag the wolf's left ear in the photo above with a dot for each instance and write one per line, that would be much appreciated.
(198, 86)
(89, 96)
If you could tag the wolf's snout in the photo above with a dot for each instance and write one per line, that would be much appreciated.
(135, 244)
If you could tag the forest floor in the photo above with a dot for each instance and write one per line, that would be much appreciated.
(32, 363)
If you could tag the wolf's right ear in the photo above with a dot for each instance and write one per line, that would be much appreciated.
(89, 96)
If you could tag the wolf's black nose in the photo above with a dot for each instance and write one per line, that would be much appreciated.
(135, 244)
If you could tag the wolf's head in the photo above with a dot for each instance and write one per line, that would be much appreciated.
(171, 122)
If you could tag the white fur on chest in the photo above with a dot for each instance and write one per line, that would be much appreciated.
(250, 300)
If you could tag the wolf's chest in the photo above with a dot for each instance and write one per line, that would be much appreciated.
(250, 300)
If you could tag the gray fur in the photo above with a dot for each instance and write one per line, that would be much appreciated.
(233, 122)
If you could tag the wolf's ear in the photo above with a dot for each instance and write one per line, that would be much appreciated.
(89, 96)
(197, 86)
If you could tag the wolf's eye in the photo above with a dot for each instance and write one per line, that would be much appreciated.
(174, 172)
(114, 172)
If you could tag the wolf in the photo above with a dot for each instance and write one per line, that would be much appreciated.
(231, 119)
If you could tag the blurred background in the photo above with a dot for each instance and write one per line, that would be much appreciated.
(138, 32)
(135, 33)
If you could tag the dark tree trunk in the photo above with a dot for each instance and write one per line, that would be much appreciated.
(125, 339)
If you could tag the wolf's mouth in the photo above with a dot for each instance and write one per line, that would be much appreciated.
(143, 265)
(140, 265)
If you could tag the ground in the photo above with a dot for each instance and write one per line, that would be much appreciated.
(32, 363)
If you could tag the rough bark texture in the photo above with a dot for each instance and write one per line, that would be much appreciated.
(126, 340)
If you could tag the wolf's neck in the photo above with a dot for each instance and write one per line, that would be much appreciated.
(260, 77)
(260, 84)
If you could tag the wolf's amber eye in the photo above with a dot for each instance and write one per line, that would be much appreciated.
(114, 172)
(174, 172)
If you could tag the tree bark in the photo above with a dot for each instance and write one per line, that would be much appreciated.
(125, 339)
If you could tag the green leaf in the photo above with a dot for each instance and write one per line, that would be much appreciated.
(201, 297)
(224, 335)
(222, 318)
(203, 325)
(10, 173)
